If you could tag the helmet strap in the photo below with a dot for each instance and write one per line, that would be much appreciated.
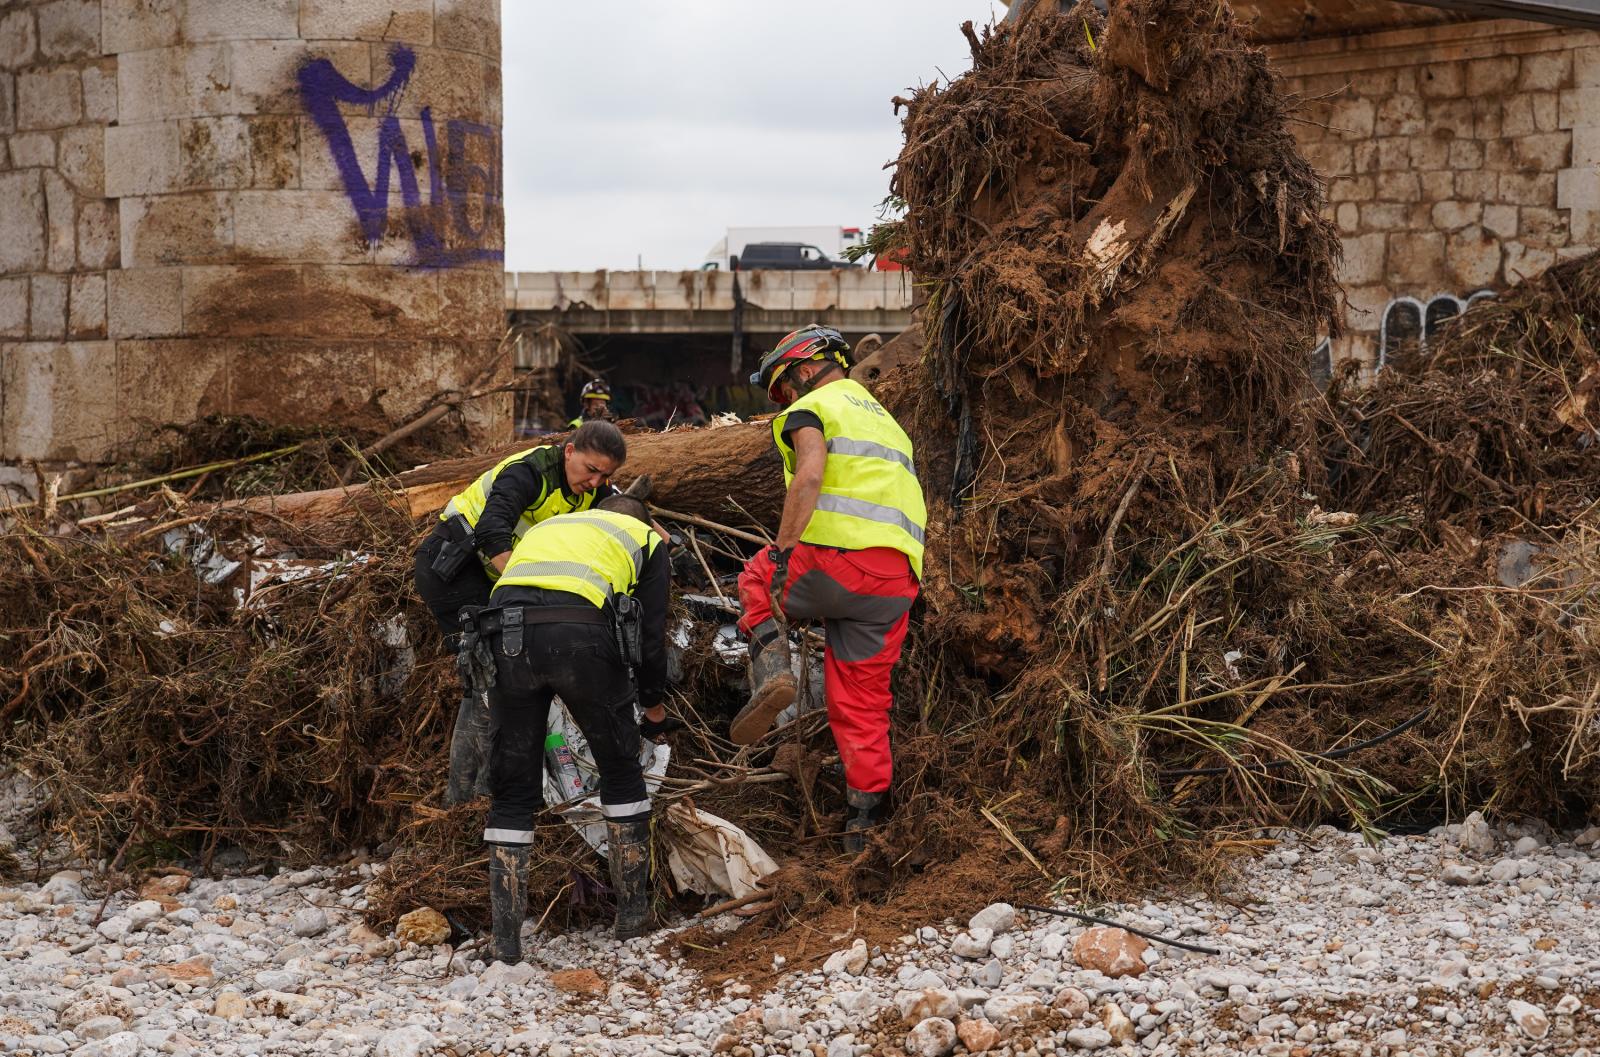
(805, 387)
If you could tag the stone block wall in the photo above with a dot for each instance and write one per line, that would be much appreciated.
(1459, 159)
(286, 208)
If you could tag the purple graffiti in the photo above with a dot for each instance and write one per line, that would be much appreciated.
(442, 231)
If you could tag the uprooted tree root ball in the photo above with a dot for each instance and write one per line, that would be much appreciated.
(1172, 595)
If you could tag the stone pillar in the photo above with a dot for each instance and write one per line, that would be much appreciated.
(282, 208)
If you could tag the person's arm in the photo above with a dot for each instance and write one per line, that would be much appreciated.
(810, 458)
(516, 488)
(653, 593)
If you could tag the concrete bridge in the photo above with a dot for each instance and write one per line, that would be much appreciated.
(854, 300)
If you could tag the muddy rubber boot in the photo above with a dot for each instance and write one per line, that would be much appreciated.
(772, 682)
(630, 875)
(508, 899)
(469, 745)
(869, 810)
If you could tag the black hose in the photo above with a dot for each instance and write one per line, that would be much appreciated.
(1119, 925)
(1336, 754)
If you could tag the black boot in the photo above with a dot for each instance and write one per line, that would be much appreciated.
(772, 683)
(868, 812)
(508, 899)
(630, 875)
(469, 749)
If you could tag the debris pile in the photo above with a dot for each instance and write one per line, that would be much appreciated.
(1171, 597)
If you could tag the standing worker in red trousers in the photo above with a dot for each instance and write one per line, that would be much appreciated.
(849, 552)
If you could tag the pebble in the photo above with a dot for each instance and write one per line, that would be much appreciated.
(1436, 967)
(973, 944)
(996, 917)
(311, 921)
(933, 1037)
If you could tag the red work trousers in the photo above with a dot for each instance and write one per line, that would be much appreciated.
(863, 598)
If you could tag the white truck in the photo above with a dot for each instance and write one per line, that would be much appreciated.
(831, 241)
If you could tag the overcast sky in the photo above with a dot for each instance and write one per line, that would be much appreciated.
(640, 128)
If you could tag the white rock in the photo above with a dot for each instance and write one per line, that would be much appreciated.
(1506, 870)
(780, 1018)
(842, 1046)
(1052, 945)
(1526, 846)
(413, 1040)
(974, 944)
(500, 975)
(122, 1044)
(1002, 946)
(1476, 836)
(1355, 896)
(308, 922)
(65, 886)
(853, 960)
(1006, 1009)
(1461, 874)
(100, 1027)
(1393, 1038)
(1089, 1038)
(934, 1037)
(996, 917)
(143, 912)
(931, 1003)
(114, 928)
(856, 1003)
(1528, 1017)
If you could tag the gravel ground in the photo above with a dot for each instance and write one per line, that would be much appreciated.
(1465, 941)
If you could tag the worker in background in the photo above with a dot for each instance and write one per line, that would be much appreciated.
(596, 403)
(579, 610)
(848, 552)
(457, 564)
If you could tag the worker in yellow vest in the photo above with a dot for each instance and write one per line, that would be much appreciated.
(580, 612)
(457, 564)
(848, 552)
(595, 403)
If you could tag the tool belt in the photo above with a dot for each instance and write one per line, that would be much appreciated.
(456, 550)
(508, 622)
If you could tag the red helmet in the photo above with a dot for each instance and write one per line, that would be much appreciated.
(813, 342)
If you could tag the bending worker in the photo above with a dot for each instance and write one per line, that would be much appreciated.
(596, 403)
(849, 552)
(457, 564)
(580, 607)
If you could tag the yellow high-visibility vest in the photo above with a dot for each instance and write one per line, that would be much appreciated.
(470, 502)
(594, 553)
(870, 493)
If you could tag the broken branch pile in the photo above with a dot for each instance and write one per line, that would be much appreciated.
(1168, 597)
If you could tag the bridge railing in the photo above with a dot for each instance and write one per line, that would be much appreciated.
(847, 290)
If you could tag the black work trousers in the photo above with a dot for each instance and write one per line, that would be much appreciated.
(581, 663)
(446, 598)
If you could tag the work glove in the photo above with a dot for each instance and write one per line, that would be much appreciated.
(780, 579)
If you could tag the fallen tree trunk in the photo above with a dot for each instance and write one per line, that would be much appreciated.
(700, 471)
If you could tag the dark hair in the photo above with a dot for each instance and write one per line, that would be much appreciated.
(599, 437)
(625, 504)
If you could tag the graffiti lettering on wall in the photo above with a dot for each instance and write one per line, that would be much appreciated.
(444, 232)
(1411, 319)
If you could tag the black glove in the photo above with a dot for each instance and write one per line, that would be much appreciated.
(654, 730)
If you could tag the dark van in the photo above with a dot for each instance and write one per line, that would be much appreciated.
(785, 257)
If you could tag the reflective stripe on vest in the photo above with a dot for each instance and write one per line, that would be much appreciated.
(870, 494)
(469, 503)
(595, 554)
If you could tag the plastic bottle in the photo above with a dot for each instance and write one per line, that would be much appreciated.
(564, 767)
